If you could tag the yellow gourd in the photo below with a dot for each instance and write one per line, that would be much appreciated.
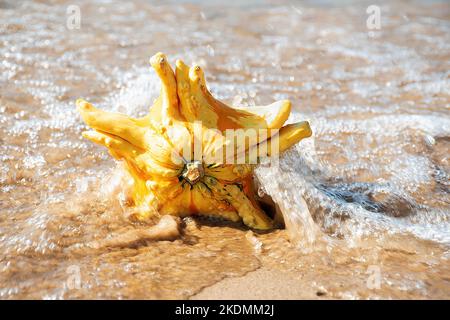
(192, 154)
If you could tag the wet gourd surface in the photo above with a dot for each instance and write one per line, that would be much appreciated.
(365, 198)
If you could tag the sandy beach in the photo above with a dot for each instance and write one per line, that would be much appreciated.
(365, 199)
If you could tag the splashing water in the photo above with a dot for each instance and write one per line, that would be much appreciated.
(387, 198)
(369, 189)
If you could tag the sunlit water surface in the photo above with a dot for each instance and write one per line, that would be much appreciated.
(369, 192)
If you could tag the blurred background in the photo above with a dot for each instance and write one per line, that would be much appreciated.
(366, 199)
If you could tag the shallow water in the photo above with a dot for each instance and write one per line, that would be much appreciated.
(366, 198)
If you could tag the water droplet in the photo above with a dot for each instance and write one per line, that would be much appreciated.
(210, 50)
(261, 192)
(429, 140)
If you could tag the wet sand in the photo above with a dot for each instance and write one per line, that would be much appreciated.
(366, 199)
